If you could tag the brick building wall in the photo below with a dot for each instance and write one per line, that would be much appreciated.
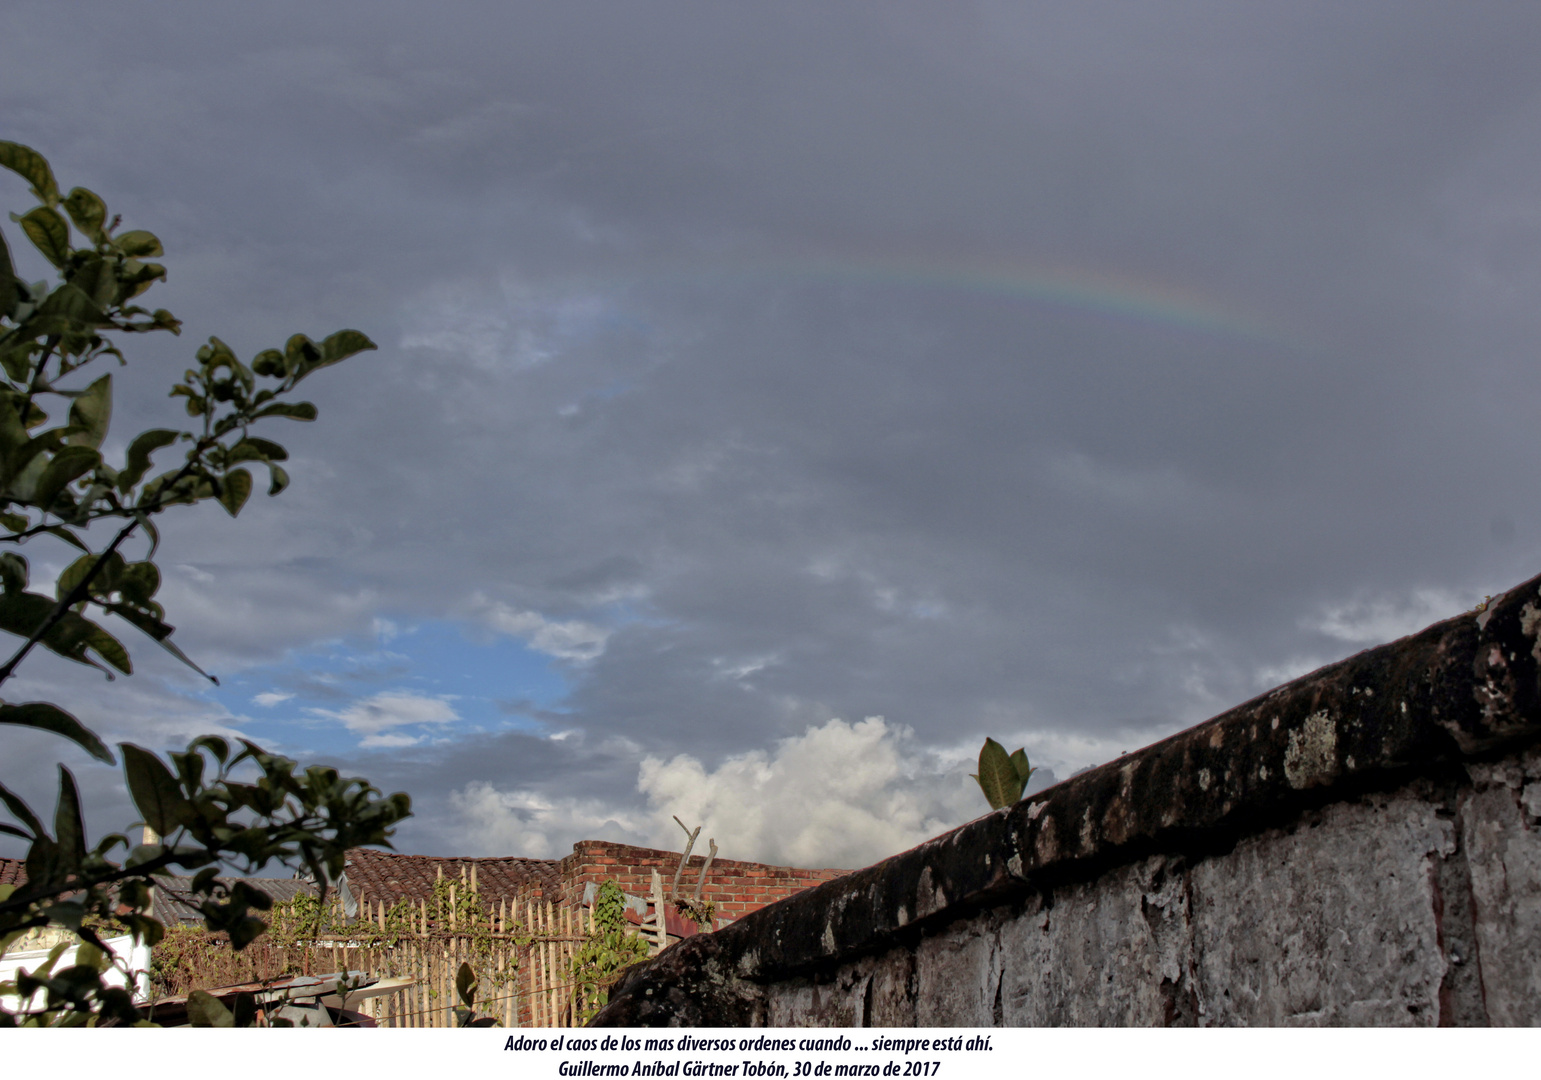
(736, 888)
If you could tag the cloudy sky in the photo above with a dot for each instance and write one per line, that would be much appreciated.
(773, 400)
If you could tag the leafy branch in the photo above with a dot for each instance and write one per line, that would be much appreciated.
(56, 483)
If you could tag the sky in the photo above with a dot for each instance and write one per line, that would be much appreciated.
(773, 401)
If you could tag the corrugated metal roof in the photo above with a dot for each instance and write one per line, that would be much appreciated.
(383, 875)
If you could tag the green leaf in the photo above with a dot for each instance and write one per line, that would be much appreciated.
(252, 448)
(154, 790)
(269, 363)
(15, 360)
(69, 828)
(138, 458)
(88, 212)
(206, 1010)
(76, 306)
(299, 410)
(997, 776)
(150, 530)
(68, 537)
(92, 411)
(67, 466)
(105, 581)
(32, 167)
(40, 714)
(90, 956)
(15, 522)
(74, 634)
(21, 812)
(300, 355)
(279, 479)
(49, 233)
(23, 613)
(343, 344)
(139, 582)
(138, 244)
(216, 746)
(24, 464)
(14, 571)
(465, 985)
(1019, 762)
(134, 277)
(10, 291)
(235, 490)
(99, 641)
(159, 632)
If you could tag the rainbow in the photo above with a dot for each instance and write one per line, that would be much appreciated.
(1075, 290)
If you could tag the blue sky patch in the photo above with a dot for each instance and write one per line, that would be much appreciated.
(412, 684)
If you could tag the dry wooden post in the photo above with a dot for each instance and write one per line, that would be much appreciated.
(540, 966)
(529, 999)
(660, 927)
(553, 1006)
(545, 973)
(565, 964)
(674, 892)
(706, 868)
(473, 878)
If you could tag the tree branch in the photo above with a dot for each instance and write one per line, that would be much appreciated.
(706, 868)
(74, 596)
(674, 891)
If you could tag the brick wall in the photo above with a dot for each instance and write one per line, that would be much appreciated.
(736, 888)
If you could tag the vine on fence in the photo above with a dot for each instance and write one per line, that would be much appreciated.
(305, 933)
(609, 949)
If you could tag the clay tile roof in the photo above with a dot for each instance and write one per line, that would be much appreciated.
(384, 875)
(173, 902)
(13, 872)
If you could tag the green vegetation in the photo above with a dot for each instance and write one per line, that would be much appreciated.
(1002, 776)
(214, 805)
(608, 950)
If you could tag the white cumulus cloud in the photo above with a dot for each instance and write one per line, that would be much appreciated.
(841, 795)
(375, 717)
(535, 826)
(572, 639)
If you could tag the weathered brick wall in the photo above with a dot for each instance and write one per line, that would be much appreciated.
(1359, 847)
(736, 888)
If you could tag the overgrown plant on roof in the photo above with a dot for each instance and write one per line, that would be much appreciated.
(214, 804)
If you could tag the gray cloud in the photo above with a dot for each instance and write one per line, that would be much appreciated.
(1063, 374)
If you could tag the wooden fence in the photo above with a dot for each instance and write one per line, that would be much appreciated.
(524, 977)
(522, 954)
